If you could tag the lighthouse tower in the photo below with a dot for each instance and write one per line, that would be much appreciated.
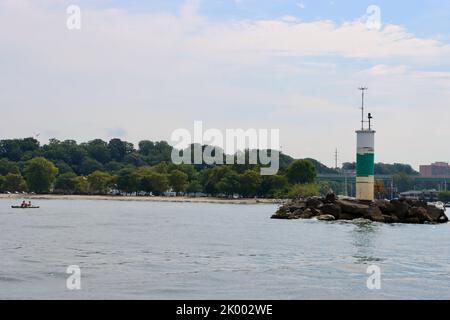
(365, 158)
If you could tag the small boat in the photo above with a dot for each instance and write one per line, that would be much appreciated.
(20, 207)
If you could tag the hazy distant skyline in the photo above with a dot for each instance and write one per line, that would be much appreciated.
(141, 69)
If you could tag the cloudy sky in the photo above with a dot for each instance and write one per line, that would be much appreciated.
(141, 69)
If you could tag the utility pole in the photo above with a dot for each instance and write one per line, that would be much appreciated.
(392, 188)
(336, 159)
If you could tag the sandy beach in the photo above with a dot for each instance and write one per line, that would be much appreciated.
(140, 198)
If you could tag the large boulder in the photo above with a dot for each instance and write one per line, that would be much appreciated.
(437, 215)
(385, 206)
(419, 213)
(296, 206)
(331, 198)
(416, 203)
(390, 219)
(331, 209)
(400, 209)
(374, 213)
(412, 220)
(356, 209)
(280, 215)
(307, 214)
(314, 202)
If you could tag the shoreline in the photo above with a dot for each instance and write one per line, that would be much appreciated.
(180, 199)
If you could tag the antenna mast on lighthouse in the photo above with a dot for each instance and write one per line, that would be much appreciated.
(363, 90)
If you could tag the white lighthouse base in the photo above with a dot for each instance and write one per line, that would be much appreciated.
(365, 188)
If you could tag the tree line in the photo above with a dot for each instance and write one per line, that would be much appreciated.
(100, 167)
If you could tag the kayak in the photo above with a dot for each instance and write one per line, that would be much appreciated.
(19, 207)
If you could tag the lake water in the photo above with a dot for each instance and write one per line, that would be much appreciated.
(148, 250)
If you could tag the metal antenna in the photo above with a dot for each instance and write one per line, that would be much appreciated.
(363, 90)
(370, 118)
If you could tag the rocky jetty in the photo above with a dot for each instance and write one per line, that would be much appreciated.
(332, 208)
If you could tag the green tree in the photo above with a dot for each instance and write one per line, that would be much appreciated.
(194, 186)
(304, 190)
(146, 147)
(274, 186)
(7, 166)
(40, 174)
(444, 196)
(99, 182)
(250, 182)
(81, 185)
(403, 182)
(2, 181)
(135, 159)
(229, 184)
(17, 149)
(118, 149)
(211, 177)
(154, 182)
(161, 167)
(114, 166)
(98, 150)
(65, 183)
(89, 165)
(155, 152)
(14, 182)
(68, 151)
(178, 180)
(63, 167)
(301, 172)
(188, 169)
(128, 180)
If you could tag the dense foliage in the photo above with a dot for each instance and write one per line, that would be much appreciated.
(444, 196)
(100, 167)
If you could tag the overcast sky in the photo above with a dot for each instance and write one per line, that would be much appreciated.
(141, 69)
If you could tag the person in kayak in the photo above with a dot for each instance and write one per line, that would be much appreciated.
(24, 204)
(29, 204)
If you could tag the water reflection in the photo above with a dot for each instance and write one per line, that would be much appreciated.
(364, 236)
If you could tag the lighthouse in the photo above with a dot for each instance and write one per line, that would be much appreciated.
(365, 157)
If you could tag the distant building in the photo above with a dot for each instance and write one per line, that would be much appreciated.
(435, 170)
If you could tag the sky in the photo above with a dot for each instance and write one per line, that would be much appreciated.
(141, 69)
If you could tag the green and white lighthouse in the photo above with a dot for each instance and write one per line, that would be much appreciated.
(365, 158)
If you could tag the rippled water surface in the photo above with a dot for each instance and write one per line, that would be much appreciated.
(149, 250)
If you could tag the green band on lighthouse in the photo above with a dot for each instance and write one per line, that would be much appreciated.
(365, 165)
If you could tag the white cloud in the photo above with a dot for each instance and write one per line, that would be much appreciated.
(384, 70)
(149, 74)
(301, 5)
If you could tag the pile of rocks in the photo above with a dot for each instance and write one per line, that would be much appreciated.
(332, 208)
